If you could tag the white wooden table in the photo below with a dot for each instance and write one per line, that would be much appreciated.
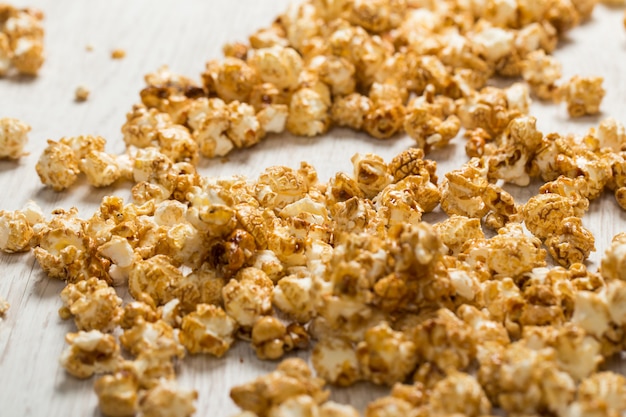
(184, 35)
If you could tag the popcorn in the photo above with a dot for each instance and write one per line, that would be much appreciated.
(459, 393)
(94, 305)
(167, 399)
(117, 394)
(208, 330)
(57, 166)
(21, 40)
(247, 297)
(291, 379)
(13, 137)
(90, 352)
(15, 231)
(583, 95)
(335, 360)
(81, 93)
(386, 356)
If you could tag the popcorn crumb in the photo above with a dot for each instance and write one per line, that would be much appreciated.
(81, 93)
(118, 53)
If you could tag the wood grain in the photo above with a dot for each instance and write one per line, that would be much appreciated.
(184, 35)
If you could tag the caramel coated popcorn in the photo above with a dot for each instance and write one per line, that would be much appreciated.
(21, 40)
(470, 308)
(13, 138)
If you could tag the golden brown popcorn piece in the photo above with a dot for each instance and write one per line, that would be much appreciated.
(232, 79)
(604, 390)
(612, 264)
(492, 108)
(351, 110)
(456, 230)
(90, 352)
(152, 338)
(268, 338)
(459, 393)
(371, 173)
(13, 138)
(57, 166)
(386, 356)
(94, 305)
(167, 399)
(462, 190)
(544, 213)
(388, 407)
(583, 95)
(269, 36)
(446, 341)
(247, 296)
(117, 394)
(142, 124)
(170, 93)
(207, 330)
(135, 311)
(15, 231)
(277, 65)
(541, 72)
(485, 328)
(309, 111)
(407, 199)
(571, 243)
(21, 40)
(509, 253)
(429, 122)
(291, 378)
(154, 277)
(522, 380)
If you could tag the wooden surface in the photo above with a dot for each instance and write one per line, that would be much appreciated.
(185, 34)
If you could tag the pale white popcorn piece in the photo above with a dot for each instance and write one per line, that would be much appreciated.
(273, 118)
(591, 312)
(335, 360)
(496, 43)
(13, 137)
(208, 330)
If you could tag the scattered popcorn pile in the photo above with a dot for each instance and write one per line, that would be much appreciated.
(474, 320)
(21, 40)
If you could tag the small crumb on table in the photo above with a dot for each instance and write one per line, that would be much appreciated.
(81, 93)
(118, 53)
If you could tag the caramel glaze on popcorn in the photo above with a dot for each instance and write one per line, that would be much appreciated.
(453, 319)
